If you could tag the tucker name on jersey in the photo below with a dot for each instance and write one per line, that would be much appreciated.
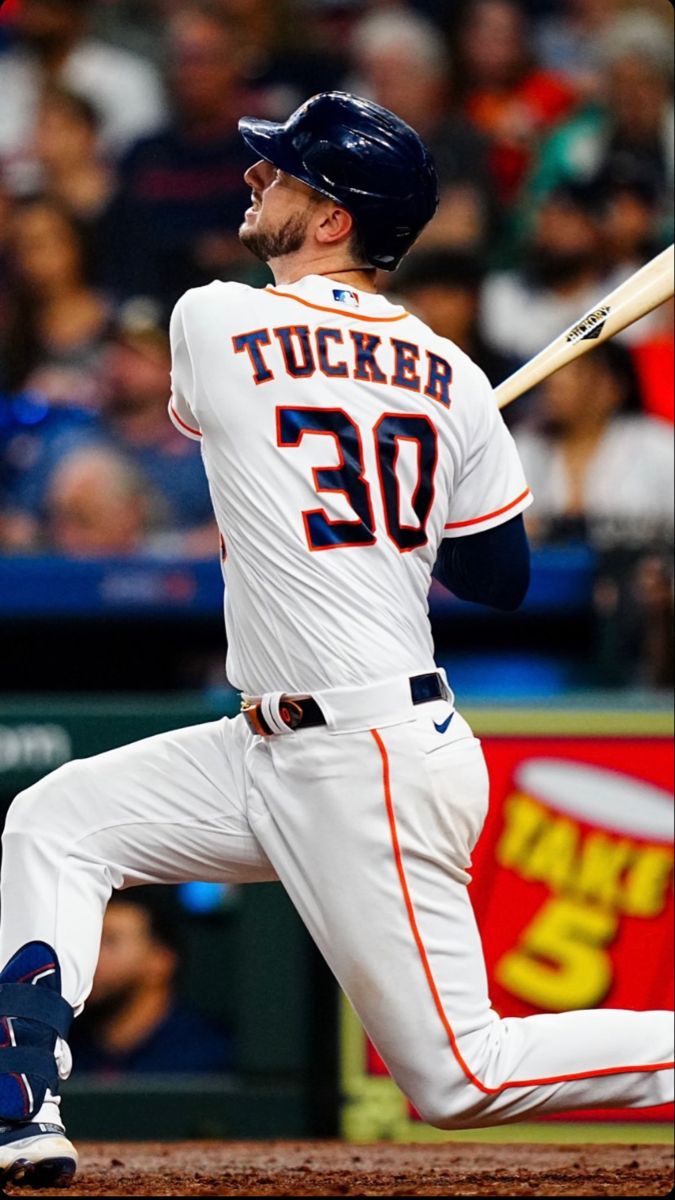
(303, 351)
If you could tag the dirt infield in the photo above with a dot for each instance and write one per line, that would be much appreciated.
(338, 1169)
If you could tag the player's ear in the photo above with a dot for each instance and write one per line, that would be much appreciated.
(334, 224)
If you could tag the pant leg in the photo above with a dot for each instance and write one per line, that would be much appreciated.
(166, 809)
(371, 835)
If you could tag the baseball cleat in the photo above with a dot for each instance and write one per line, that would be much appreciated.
(34, 1149)
(36, 1154)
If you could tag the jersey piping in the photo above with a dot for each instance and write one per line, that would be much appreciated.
(179, 421)
(340, 312)
(488, 516)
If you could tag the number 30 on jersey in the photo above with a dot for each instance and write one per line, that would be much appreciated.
(349, 478)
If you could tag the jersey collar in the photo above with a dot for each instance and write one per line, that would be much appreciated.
(322, 292)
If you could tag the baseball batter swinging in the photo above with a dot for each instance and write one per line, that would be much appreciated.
(350, 452)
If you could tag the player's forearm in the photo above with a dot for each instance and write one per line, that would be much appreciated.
(492, 567)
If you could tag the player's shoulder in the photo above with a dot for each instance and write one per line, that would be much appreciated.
(220, 291)
(218, 301)
(471, 382)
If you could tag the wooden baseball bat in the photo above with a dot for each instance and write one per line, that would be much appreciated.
(645, 290)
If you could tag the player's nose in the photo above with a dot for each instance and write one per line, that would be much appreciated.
(257, 176)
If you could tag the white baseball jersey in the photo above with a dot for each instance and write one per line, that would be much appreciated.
(342, 440)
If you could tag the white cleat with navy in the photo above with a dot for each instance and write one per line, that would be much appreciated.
(37, 1154)
(34, 1023)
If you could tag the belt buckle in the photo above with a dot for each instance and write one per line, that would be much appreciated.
(250, 709)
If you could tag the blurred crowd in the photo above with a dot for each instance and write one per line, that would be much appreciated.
(121, 186)
(137, 1020)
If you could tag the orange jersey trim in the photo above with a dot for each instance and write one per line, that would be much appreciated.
(512, 1083)
(488, 516)
(196, 432)
(341, 312)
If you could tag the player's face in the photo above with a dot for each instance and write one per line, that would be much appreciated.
(129, 956)
(277, 221)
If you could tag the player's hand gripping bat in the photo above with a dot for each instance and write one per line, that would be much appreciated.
(645, 290)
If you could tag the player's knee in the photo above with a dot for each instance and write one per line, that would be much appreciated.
(459, 1096)
(20, 814)
(448, 1106)
(36, 811)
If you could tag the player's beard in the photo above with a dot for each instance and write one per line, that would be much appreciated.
(267, 244)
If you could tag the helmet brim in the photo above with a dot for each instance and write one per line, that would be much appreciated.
(264, 137)
(270, 140)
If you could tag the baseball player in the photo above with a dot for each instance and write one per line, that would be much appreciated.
(350, 453)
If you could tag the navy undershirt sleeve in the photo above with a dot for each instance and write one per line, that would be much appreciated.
(492, 567)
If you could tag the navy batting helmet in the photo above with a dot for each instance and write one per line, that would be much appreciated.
(362, 156)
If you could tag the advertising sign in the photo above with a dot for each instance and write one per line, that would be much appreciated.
(572, 888)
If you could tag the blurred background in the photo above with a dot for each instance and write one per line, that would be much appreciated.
(120, 187)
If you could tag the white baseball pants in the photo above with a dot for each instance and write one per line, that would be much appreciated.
(369, 824)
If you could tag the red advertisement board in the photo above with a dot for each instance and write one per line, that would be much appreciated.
(573, 880)
(573, 874)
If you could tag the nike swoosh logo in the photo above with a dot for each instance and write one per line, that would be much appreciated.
(444, 724)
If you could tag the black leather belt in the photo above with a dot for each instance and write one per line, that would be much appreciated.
(303, 712)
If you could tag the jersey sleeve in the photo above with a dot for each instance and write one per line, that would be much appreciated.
(181, 404)
(492, 487)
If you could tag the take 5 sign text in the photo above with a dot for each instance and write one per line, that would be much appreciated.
(573, 892)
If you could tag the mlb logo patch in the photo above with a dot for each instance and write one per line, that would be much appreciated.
(346, 297)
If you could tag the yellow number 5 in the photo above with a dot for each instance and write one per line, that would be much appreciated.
(561, 961)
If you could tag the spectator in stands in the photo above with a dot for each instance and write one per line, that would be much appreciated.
(506, 94)
(181, 197)
(132, 425)
(329, 25)
(632, 128)
(598, 466)
(602, 472)
(5, 221)
(34, 434)
(444, 288)
(35, 437)
(67, 149)
(401, 62)
(135, 390)
(134, 25)
(97, 505)
(625, 200)
(568, 41)
(59, 322)
(53, 46)
(633, 603)
(134, 1021)
(561, 275)
(280, 62)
